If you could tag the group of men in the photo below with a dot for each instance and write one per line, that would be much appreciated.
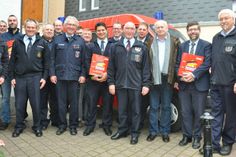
(142, 70)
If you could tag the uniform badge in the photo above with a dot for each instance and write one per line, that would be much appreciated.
(137, 49)
(77, 53)
(228, 48)
(137, 58)
(39, 54)
(76, 46)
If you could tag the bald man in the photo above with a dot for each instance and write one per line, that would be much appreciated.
(129, 79)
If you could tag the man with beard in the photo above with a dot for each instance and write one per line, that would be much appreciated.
(8, 37)
(193, 86)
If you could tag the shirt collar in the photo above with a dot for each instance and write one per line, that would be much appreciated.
(227, 33)
(132, 40)
(67, 35)
(27, 37)
(196, 42)
(100, 41)
(141, 39)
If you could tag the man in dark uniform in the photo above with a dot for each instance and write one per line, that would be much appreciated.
(28, 70)
(223, 83)
(67, 71)
(97, 84)
(128, 78)
(48, 93)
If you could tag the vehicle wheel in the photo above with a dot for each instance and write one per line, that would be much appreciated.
(175, 114)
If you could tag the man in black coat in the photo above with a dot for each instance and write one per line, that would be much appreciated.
(67, 71)
(28, 70)
(128, 78)
(97, 84)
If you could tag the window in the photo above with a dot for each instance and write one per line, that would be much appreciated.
(82, 5)
(94, 4)
(234, 6)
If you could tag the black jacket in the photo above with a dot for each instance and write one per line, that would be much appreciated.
(37, 62)
(223, 70)
(3, 59)
(129, 69)
(93, 48)
(67, 58)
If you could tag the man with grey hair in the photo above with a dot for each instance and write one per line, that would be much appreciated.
(163, 55)
(128, 78)
(223, 84)
(66, 72)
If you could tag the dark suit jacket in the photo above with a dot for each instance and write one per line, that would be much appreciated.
(202, 77)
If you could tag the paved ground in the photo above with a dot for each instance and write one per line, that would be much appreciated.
(95, 145)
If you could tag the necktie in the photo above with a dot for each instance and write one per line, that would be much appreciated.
(128, 45)
(29, 45)
(192, 48)
(69, 38)
(102, 46)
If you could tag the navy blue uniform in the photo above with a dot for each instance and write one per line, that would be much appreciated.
(129, 72)
(96, 89)
(67, 64)
(28, 69)
(223, 98)
(48, 96)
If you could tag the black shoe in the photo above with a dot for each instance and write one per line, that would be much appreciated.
(38, 133)
(107, 131)
(185, 140)
(60, 131)
(73, 131)
(3, 126)
(87, 131)
(134, 140)
(225, 149)
(165, 138)
(151, 137)
(214, 151)
(196, 143)
(117, 136)
(17, 133)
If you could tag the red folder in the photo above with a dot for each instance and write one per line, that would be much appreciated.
(98, 65)
(189, 63)
(9, 45)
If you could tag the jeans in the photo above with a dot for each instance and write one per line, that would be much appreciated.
(6, 93)
(160, 98)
